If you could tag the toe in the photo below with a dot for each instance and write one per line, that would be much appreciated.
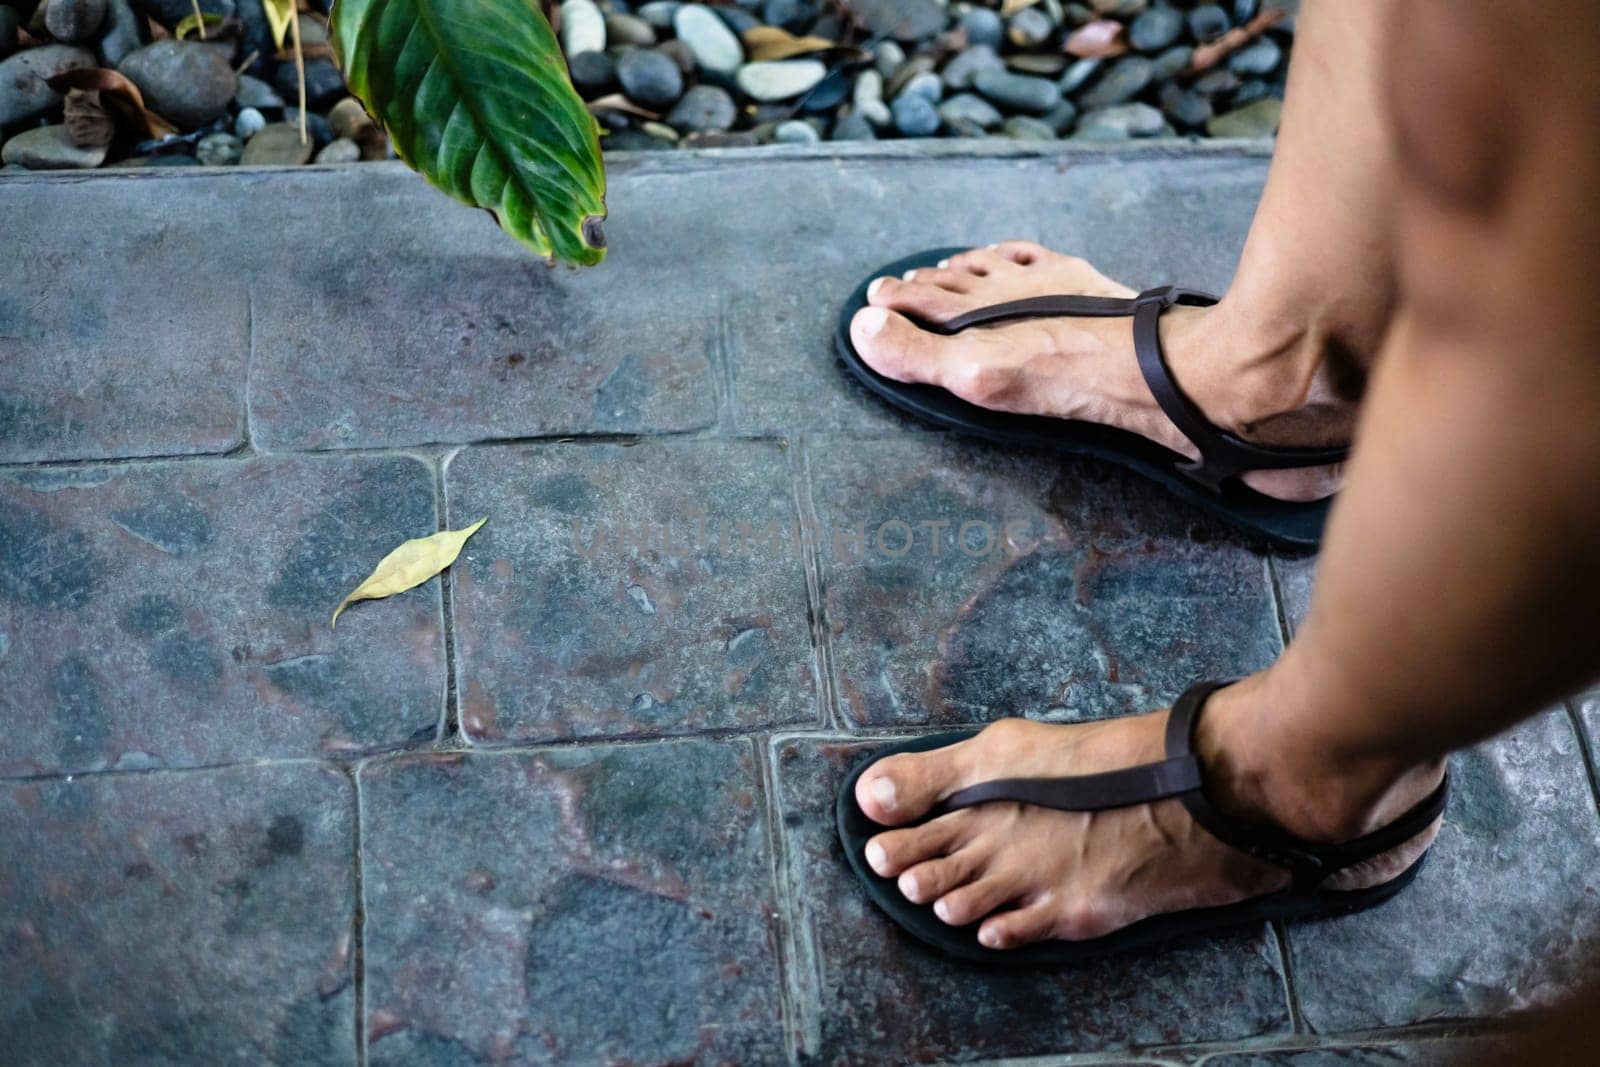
(1021, 253)
(971, 902)
(934, 878)
(929, 302)
(980, 261)
(953, 281)
(895, 347)
(1023, 926)
(901, 788)
(894, 851)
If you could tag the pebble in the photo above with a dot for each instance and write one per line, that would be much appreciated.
(659, 13)
(1062, 117)
(714, 45)
(633, 141)
(1259, 119)
(828, 95)
(1251, 91)
(593, 73)
(74, 21)
(1047, 63)
(738, 20)
(661, 130)
(704, 109)
(680, 54)
(1018, 91)
(868, 87)
(24, 96)
(276, 145)
(8, 30)
(171, 12)
(1171, 63)
(650, 79)
(915, 116)
(1027, 128)
(49, 148)
(983, 27)
(218, 149)
(877, 113)
(184, 82)
(340, 150)
(630, 29)
(888, 57)
(317, 127)
(1208, 22)
(796, 131)
(1119, 123)
(1078, 75)
(780, 79)
(971, 109)
(247, 123)
(1029, 28)
(926, 84)
(1260, 56)
(958, 73)
(583, 27)
(1185, 107)
(905, 20)
(853, 127)
(324, 83)
(253, 92)
(1127, 78)
(1218, 80)
(1155, 29)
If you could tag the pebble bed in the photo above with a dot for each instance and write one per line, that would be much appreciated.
(663, 74)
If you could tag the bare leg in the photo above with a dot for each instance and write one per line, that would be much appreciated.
(1458, 587)
(1280, 360)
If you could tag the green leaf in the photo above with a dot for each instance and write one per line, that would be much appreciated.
(475, 96)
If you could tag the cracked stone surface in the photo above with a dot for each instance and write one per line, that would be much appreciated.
(657, 588)
(1056, 589)
(1425, 1052)
(176, 614)
(178, 918)
(604, 904)
(874, 994)
(1501, 919)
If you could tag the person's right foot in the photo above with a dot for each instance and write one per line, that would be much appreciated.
(1086, 369)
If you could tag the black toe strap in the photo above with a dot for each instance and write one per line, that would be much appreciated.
(1180, 775)
(1222, 455)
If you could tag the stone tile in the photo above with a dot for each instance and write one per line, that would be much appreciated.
(176, 614)
(1295, 577)
(178, 918)
(1098, 594)
(123, 331)
(875, 995)
(1143, 221)
(429, 325)
(1501, 919)
(598, 904)
(566, 625)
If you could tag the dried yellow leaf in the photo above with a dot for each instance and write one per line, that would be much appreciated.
(1011, 7)
(410, 565)
(279, 14)
(773, 42)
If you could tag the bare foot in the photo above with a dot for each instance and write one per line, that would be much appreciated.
(1085, 368)
(1033, 874)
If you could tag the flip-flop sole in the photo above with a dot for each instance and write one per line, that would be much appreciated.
(1281, 522)
(961, 942)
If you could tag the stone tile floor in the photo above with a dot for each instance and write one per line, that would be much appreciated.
(572, 804)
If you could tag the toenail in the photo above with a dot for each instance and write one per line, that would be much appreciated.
(872, 290)
(908, 275)
(990, 938)
(941, 909)
(908, 886)
(883, 788)
(877, 858)
(943, 263)
(870, 321)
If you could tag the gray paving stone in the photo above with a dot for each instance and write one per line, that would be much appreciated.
(178, 918)
(176, 613)
(1501, 919)
(599, 904)
(1097, 595)
(566, 625)
(871, 994)
(1295, 576)
(121, 333)
(1427, 1052)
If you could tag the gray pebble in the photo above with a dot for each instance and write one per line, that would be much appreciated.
(704, 109)
(1119, 123)
(1018, 91)
(1259, 57)
(983, 27)
(1259, 119)
(253, 92)
(1126, 79)
(248, 123)
(887, 57)
(781, 79)
(914, 116)
(926, 84)
(1030, 28)
(650, 79)
(968, 108)
(74, 21)
(49, 148)
(796, 131)
(186, 83)
(1027, 128)
(1062, 117)
(583, 27)
(1077, 75)
(715, 47)
(1155, 29)
(340, 150)
(1171, 63)
(23, 92)
(9, 20)
(876, 112)
(659, 13)
(1185, 107)
(218, 150)
(958, 73)
(629, 29)
(1208, 22)
(853, 127)
(593, 73)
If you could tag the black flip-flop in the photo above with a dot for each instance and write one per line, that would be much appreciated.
(1179, 775)
(1212, 482)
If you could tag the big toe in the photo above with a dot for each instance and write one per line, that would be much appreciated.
(895, 347)
(902, 788)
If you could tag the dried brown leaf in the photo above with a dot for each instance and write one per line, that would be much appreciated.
(117, 95)
(774, 42)
(1209, 55)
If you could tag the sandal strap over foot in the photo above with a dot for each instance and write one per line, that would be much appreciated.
(1181, 776)
(1222, 455)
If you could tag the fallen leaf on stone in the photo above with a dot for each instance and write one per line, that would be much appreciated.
(774, 42)
(1097, 40)
(204, 26)
(88, 123)
(117, 95)
(618, 102)
(409, 566)
(1011, 7)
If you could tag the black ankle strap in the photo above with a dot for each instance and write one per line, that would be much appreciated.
(1222, 455)
(1180, 775)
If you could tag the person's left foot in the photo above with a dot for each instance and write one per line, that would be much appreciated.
(1032, 874)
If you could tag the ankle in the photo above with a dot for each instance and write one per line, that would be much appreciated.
(1259, 765)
